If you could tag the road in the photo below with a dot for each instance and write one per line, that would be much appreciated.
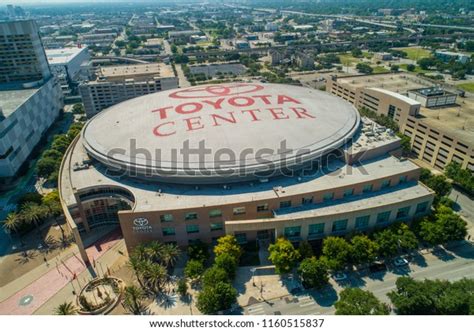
(452, 265)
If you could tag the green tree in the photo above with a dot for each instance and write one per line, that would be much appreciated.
(354, 301)
(426, 63)
(66, 308)
(338, 252)
(305, 250)
(411, 67)
(214, 275)
(13, 222)
(198, 251)
(182, 287)
(314, 272)
(45, 166)
(228, 244)
(194, 269)
(356, 52)
(394, 68)
(283, 255)
(363, 249)
(216, 298)
(228, 263)
(364, 68)
(133, 300)
(387, 241)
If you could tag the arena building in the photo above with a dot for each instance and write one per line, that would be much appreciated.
(254, 160)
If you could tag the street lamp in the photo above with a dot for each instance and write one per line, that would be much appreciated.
(253, 275)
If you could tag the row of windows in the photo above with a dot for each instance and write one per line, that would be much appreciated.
(361, 222)
(191, 228)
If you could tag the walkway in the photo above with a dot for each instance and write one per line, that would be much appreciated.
(34, 295)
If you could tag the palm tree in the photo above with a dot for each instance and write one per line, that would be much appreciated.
(66, 308)
(155, 276)
(137, 265)
(170, 254)
(133, 299)
(32, 213)
(13, 222)
(154, 251)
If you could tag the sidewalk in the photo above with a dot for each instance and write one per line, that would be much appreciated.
(34, 293)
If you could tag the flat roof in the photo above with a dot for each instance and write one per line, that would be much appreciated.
(63, 55)
(244, 130)
(136, 70)
(10, 100)
(397, 95)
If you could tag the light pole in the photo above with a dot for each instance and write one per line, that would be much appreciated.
(253, 276)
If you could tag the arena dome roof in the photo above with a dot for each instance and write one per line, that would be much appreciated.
(219, 133)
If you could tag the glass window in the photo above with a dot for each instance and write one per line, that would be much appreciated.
(285, 204)
(403, 212)
(166, 218)
(391, 111)
(239, 210)
(367, 188)
(362, 222)
(192, 228)
(403, 179)
(217, 226)
(241, 238)
(348, 192)
(385, 183)
(293, 231)
(316, 229)
(328, 196)
(191, 216)
(422, 207)
(307, 200)
(383, 217)
(263, 207)
(168, 231)
(215, 213)
(339, 225)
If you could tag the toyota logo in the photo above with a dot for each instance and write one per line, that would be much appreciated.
(141, 221)
(214, 91)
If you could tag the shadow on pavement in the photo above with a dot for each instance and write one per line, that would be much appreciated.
(443, 254)
(463, 249)
(325, 297)
(418, 259)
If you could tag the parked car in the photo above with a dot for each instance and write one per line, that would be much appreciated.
(400, 262)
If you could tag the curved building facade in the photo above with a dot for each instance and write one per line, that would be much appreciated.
(254, 160)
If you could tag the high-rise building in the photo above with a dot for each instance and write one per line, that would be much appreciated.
(30, 97)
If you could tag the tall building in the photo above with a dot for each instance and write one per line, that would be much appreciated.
(439, 123)
(30, 97)
(115, 84)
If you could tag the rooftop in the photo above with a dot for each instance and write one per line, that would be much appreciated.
(62, 55)
(10, 100)
(136, 71)
(398, 83)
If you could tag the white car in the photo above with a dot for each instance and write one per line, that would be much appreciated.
(400, 262)
(339, 276)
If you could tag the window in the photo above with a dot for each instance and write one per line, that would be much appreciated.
(216, 226)
(367, 188)
(168, 231)
(263, 207)
(421, 207)
(348, 192)
(166, 218)
(315, 229)
(293, 231)
(215, 213)
(328, 196)
(403, 179)
(307, 200)
(385, 183)
(239, 210)
(362, 222)
(383, 217)
(191, 216)
(241, 238)
(285, 204)
(403, 212)
(192, 228)
(339, 225)
(391, 111)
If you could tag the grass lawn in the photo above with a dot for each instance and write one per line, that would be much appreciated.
(415, 53)
(468, 87)
(348, 59)
(367, 55)
(418, 70)
(379, 70)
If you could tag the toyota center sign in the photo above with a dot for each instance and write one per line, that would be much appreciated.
(141, 225)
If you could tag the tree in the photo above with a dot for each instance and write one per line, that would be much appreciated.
(194, 269)
(78, 108)
(411, 67)
(228, 244)
(13, 222)
(462, 177)
(169, 255)
(314, 272)
(356, 52)
(439, 184)
(214, 275)
(364, 68)
(32, 213)
(228, 263)
(198, 251)
(426, 63)
(337, 251)
(216, 298)
(66, 308)
(305, 250)
(133, 300)
(182, 287)
(354, 301)
(283, 255)
(363, 250)
(387, 242)
(394, 68)
(45, 166)
(155, 276)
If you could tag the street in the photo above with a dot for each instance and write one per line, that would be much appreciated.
(451, 265)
